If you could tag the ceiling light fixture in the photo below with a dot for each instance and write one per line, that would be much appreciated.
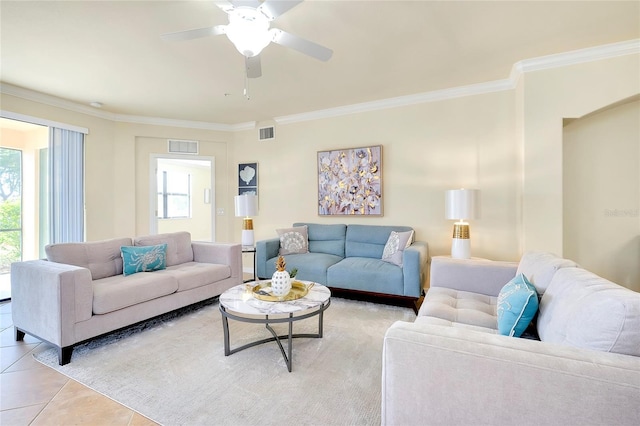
(248, 30)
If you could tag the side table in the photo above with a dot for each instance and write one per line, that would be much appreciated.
(251, 249)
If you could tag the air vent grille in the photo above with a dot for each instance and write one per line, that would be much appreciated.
(267, 133)
(183, 147)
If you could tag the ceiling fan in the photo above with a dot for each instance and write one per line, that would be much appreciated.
(248, 30)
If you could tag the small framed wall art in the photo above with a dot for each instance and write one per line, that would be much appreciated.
(248, 178)
(350, 181)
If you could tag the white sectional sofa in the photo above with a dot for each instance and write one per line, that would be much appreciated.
(80, 292)
(452, 367)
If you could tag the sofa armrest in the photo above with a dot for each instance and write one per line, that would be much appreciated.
(473, 275)
(265, 250)
(48, 298)
(414, 268)
(219, 253)
(444, 375)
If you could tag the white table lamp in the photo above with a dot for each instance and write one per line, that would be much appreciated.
(461, 204)
(246, 205)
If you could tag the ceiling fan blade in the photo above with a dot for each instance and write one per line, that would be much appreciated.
(254, 69)
(196, 33)
(301, 45)
(246, 3)
(225, 5)
(274, 8)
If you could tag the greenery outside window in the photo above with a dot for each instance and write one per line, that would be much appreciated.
(174, 195)
(10, 207)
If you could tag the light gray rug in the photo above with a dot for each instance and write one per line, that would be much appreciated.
(173, 370)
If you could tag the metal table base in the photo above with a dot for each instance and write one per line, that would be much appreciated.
(287, 355)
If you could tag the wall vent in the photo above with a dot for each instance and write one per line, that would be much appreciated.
(183, 147)
(267, 133)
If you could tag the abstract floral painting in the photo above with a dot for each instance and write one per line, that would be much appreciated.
(350, 181)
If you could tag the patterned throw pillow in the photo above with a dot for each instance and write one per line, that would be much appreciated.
(143, 258)
(517, 305)
(293, 240)
(394, 249)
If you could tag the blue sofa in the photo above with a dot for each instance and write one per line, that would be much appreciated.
(349, 257)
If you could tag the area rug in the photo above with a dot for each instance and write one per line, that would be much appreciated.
(173, 370)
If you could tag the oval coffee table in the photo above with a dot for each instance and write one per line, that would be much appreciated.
(238, 303)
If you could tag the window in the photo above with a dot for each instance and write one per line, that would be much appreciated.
(10, 208)
(174, 195)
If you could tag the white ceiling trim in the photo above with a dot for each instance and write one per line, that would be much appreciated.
(519, 68)
(185, 123)
(607, 51)
(401, 101)
(629, 47)
(32, 95)
(42, 122)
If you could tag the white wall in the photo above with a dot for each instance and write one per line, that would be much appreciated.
(602, 193)
(508, 144)
(548, 97)
(136, 143)
(427, 149)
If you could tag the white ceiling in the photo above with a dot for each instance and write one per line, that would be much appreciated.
(111, 52)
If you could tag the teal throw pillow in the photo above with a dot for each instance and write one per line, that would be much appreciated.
(517, 305)
(143, 258)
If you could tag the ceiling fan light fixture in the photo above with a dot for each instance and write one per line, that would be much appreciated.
(248, 30)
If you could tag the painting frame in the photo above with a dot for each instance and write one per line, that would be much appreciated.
(248, 178)
(350, 182)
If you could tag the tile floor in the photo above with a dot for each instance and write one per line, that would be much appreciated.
(33, 394)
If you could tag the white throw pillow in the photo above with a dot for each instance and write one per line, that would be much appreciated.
(394, 249)
(293, 240)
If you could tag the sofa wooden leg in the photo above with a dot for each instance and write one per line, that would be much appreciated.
(64, 355)
(19, 334)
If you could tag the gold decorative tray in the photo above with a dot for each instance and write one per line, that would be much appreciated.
(262, 291)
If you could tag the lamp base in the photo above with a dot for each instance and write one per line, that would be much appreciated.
(247, 237)
(460, 248)
(460, 243)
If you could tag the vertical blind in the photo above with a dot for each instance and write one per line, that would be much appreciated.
(66, 185)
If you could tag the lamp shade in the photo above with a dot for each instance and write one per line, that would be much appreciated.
(461, 204)
(246, 205)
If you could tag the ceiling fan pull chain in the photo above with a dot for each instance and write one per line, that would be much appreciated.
(246, 87)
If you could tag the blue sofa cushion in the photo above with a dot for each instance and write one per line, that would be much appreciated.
(327, 239)
(367, 274)
(311, 266)
(369, 240)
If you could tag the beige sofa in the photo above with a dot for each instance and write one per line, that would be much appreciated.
(80, 292)
(451, 366)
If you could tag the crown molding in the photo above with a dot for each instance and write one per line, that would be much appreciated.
(590, 54)
(574, 57)
(42, 122)
(203, 125)
(32, 95)
(54, 101)
(580, 56)
(397, 102)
